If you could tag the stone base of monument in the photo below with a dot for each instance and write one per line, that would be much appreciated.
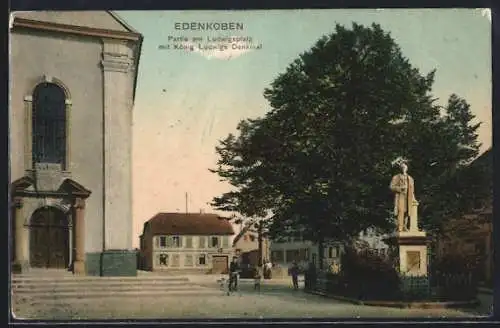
(411, 261)
(411, 252)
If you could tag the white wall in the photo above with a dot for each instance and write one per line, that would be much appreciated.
(374, 239)
(195, 251)
(75, 62)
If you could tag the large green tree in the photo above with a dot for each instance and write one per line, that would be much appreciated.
(320, 159)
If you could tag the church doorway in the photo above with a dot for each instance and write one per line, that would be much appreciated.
(49, 238)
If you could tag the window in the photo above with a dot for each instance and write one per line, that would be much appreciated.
(163, 241)
(290, 255)
(202, 259)
(225, 241)
(175, 260)
(330, 252)
(49, 124)
(252, 238)
(176, 241)
(214, 242)
(189, 241)
(382, 252)
(245, 237)
(202, 242)
(336, 251)
(188, 260)
(277, 256)
(163, 259)
(303, 254)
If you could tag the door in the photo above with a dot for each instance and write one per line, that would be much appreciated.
(49, 239)
(219, 264)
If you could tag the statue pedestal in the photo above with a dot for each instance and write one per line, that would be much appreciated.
(412, 252)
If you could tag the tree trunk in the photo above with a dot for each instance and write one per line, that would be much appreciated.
(259, 238)
(321, 251)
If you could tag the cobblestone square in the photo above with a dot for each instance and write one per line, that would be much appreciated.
(276, 300)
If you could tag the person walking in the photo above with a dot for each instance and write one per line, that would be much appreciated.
(257, 278)
(294, 272)
(269, 267)
(234, 269)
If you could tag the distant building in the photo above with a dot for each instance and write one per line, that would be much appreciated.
(284, 251)
(246, 246)
(372, 240)
(192, 242)
(287, 250)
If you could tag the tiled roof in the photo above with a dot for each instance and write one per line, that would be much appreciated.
(189, 224)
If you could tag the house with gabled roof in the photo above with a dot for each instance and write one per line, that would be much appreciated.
(186, 242)
(246, 246)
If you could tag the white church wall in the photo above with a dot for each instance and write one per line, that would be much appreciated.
(118, 91)
(76, 63)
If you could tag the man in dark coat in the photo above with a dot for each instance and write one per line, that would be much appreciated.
(234, 269)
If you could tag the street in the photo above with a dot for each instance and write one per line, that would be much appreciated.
(276, 300)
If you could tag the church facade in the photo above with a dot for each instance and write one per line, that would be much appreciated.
(73, 79)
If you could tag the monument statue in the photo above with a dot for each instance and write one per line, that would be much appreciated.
(411, 256)
(402, 185)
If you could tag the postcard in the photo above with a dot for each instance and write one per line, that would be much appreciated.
(255, 164)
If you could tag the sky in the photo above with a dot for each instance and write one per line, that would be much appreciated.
(188, 100)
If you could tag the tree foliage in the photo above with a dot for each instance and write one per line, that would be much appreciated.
(320, 160)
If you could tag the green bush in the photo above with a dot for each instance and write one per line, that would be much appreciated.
(453, 277)
(367, 276)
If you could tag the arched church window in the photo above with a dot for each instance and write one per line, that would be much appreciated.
(49, 124)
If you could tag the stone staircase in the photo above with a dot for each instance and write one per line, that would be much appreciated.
(59, 286)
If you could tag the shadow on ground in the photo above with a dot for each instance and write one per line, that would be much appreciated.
(285, 291)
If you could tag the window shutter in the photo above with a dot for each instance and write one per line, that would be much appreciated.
(189, 242)
(202, 242)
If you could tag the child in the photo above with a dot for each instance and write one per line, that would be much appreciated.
(256, 279)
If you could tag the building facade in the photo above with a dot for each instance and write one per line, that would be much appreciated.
(287, 250)
(73, 79)
(246, 246)
(187, 243)
(373, 241)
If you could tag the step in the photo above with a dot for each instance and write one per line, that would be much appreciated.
(41, 298)
(95, 278)
(85, 289)
(19, 284)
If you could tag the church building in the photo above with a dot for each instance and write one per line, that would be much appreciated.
(72, 87)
